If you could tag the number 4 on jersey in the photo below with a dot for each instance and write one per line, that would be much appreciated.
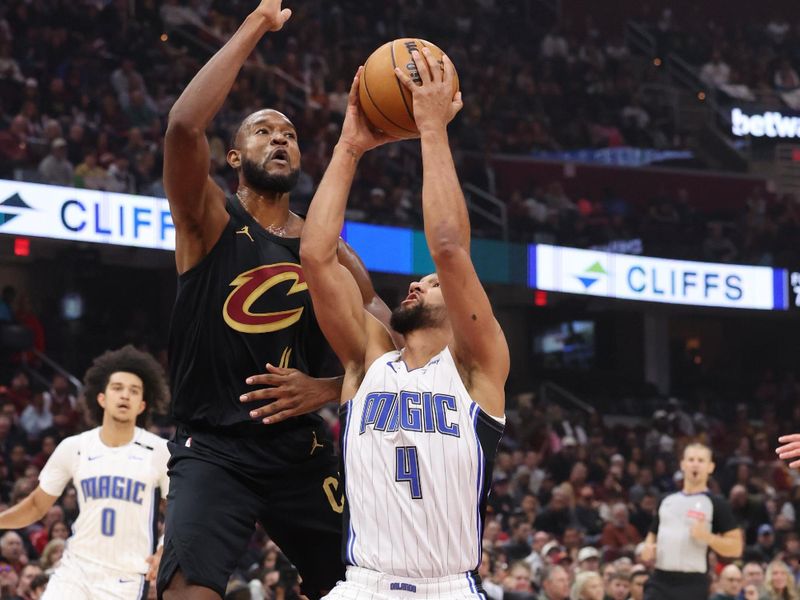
(408, 469)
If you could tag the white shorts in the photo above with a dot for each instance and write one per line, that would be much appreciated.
(365, 584)
(76, 579)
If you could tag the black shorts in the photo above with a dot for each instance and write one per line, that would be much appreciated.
(673, 585)
(213, 507)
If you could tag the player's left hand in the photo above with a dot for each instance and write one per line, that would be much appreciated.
(434, 103)
(790, 448)
(700, 532)
(357, 133)
(153, 561)
(292, 393)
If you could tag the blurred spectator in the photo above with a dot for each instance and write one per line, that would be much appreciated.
(9, 580)
(638, 582)
(730, 584)
(25, 588)
(588, 586)
(779, 582)
(12, 551)
(716, 71)
(786, 77)
(764, 549)
(14, 147)
(518, 578)
(753, 574)
(89, 174)
(55, 168)
(38, 585)
(518, 547)
(717, 247)
(555, 584)
(619, 534)
(51, 555)
(36, 417)
(557, 515)
(589, 560)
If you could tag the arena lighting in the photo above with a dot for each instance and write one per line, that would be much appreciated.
(22, 247)
(701, 96)
(657, 62)
(540, 298)
(164, 37)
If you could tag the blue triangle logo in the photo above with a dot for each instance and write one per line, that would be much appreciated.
(6, 217)
(14, 201)
(587, 281)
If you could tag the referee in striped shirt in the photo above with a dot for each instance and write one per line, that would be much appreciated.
(686, 525)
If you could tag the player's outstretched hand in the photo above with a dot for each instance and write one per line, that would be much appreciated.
(292, 393)
(357, 133)
(153, 561)
(789, 448)
(434, 103)
(272, 12)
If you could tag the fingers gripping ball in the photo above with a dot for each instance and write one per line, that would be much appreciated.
(384, 100)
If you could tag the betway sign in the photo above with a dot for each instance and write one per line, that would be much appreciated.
(770, 124)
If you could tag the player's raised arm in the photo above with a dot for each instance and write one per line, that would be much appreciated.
(196, 202)
(479, 345)
(338, 302)
(373, 303)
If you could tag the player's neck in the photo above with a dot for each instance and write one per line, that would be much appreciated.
(696, 488)
(424, 344)
(269, 209)
(114, 434)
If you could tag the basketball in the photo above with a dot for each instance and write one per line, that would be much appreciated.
(386, 103)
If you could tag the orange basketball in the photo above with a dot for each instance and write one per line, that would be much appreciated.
(384, 99)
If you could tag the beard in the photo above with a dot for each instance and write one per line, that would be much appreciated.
(405, 320)
(259, 179)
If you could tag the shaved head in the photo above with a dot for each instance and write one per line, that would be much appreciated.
(252, 119)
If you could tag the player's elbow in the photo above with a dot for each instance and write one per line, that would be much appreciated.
(314, 255)
(181, 126)
(445, 250)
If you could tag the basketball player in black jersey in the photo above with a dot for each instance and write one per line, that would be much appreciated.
(242, 302)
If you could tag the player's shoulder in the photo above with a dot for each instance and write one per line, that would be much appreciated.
(149, 441)
(74, 442)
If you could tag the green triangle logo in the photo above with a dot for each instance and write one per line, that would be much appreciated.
(597, 268)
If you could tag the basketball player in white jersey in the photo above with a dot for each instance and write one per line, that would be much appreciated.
(120, 473)
(420, 425)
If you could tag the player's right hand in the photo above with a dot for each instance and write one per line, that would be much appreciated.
(271, 11)
(434, 103)
(789, 449)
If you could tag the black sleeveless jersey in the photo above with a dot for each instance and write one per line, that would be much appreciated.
(244, 305)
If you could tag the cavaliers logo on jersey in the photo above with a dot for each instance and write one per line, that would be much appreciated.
(252, 285)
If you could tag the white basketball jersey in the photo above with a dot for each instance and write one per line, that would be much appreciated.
(418, 454)
(116, 488)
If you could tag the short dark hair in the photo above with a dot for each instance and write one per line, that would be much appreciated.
(39, 581)
(129, 360)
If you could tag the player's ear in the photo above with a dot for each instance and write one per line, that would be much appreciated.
(234, 158)
(711, 467)
(101, 400)
(142, 407)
